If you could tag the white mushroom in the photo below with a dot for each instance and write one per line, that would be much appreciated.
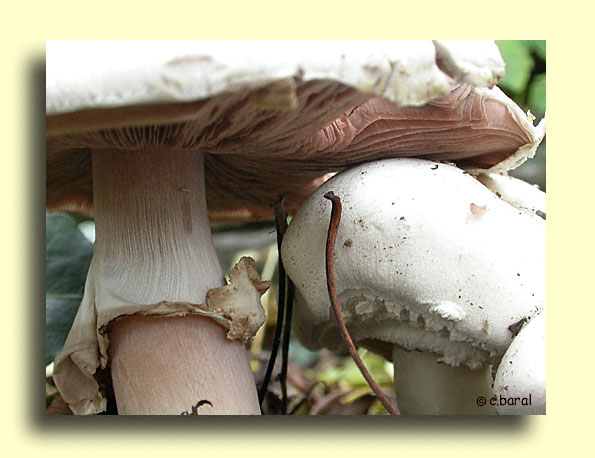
(517, 193)
(519, 386)
(427, 259)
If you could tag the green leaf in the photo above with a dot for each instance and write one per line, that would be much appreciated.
(519, 65)
(67, 257)
(536, 97)
(348, 373)
(537, 47)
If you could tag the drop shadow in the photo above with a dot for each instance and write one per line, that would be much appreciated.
(34, 310)
(376, 426)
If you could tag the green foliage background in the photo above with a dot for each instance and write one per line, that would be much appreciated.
(524, 80)
(67, 257)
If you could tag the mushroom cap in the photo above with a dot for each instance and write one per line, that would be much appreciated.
(522, 372)
(105, 74)
(518, 193)
(274, 117)
(427, 257)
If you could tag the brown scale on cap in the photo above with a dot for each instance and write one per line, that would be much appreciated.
(255, 152)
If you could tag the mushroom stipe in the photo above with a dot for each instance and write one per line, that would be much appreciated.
(332, 292)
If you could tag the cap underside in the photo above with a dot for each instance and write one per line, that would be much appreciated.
(281, 139)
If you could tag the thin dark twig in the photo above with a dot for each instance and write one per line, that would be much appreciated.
(285, 343)
(280, 225)
(287, 301)
(332, 292)
(303, 400)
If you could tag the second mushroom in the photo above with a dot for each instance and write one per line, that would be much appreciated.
(433, 270)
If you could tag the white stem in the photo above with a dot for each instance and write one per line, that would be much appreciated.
(427, 387)
(154, 246)
(153, 236)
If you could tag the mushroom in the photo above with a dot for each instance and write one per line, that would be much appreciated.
(518, 193)
(128, 128)
(519, 385)
(428, 260)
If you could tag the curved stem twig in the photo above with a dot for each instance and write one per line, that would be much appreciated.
(332, 292)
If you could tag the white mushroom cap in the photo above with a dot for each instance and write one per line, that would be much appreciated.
(427, 258)
(520, 380)
(472, 60)
(102, 74)
(517, 193)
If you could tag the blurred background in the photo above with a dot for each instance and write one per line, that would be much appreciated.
(318, 383)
